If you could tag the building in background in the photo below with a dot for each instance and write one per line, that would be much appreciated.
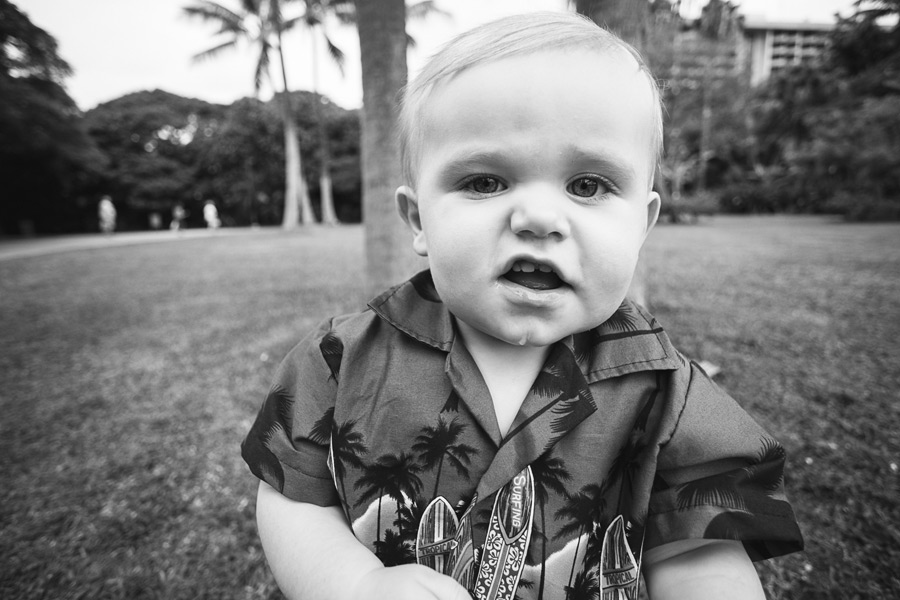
(772, 47)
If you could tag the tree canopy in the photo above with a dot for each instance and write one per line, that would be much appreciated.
(46, 156)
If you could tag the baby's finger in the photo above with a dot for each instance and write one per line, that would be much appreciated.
(445, 588)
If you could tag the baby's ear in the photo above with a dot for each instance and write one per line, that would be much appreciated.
(653, 205)
(408, 206)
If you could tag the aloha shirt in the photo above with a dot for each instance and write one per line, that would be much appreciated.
(617, 423)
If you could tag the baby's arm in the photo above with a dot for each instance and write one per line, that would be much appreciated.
(313, 554)
(701, 570)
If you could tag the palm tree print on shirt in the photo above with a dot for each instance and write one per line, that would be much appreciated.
(348, 446)
(744, 494)
(549, 475)
(440, 443)
(395, 476)
(583, 511)
(280, 402)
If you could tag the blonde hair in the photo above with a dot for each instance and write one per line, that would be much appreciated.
(506, 37)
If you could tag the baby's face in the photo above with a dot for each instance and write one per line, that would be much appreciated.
(532, 194)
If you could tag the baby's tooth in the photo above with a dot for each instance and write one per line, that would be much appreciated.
(527, 267)
(517, 266)
(544, 268)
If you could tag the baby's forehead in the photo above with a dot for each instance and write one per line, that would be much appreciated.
(569, 73)
(453, 63)
(607, 55)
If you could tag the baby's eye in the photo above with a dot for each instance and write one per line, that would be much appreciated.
(484, 184)
(587, 187)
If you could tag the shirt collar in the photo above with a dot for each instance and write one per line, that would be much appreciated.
(629, 341)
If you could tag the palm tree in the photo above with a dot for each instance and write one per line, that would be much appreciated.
(393, 476)
(586, 586)
(624, 467)
(584, 510)
(260, 23)
(549, 474)
(347, 446)
(438, 443)
(313, 17)
(394, 550)
(408, 519)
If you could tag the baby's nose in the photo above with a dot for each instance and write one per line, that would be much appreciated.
(540, 216)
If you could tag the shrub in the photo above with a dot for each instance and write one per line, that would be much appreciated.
(861, 207)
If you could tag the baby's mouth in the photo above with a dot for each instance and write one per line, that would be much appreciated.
(534, 276)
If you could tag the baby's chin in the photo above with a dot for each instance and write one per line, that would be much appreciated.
(528, 337)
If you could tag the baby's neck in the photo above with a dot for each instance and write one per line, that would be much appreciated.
(507, 369)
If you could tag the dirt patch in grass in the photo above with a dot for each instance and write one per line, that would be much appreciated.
(129, 375)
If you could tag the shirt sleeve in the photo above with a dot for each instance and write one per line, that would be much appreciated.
(288, 444)
(720, 476)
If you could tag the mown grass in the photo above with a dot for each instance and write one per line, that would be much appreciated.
(129, 375)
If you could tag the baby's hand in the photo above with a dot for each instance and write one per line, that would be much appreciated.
(408, 582)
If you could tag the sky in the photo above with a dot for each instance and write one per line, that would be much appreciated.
(116, 47)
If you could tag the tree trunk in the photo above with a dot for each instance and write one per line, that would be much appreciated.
(326, 201)
(291, 174)
(297, 206)
(382, 45)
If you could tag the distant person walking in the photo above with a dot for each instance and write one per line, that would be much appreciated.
(211, 215)
(106, 212)
(178, 216)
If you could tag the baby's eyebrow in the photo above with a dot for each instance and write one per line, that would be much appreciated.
(463, 163)
(612, 166)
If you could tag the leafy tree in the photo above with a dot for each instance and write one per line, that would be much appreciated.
(150, 139)
(828, 133)
(862, 46)
(239, 163)
(47, 161)
(317, 116)
(261, 23)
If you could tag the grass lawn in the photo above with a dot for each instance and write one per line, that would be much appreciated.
(129, 375)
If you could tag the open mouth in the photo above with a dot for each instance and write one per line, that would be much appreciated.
(534, 276)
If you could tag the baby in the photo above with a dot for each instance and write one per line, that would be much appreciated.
(529, 149)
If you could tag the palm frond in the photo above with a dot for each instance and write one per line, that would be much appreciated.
(717, 490)
(322, 428)
(214, 51)
(332, 350)
(337, 55)
(625, 319)
(213, 11)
